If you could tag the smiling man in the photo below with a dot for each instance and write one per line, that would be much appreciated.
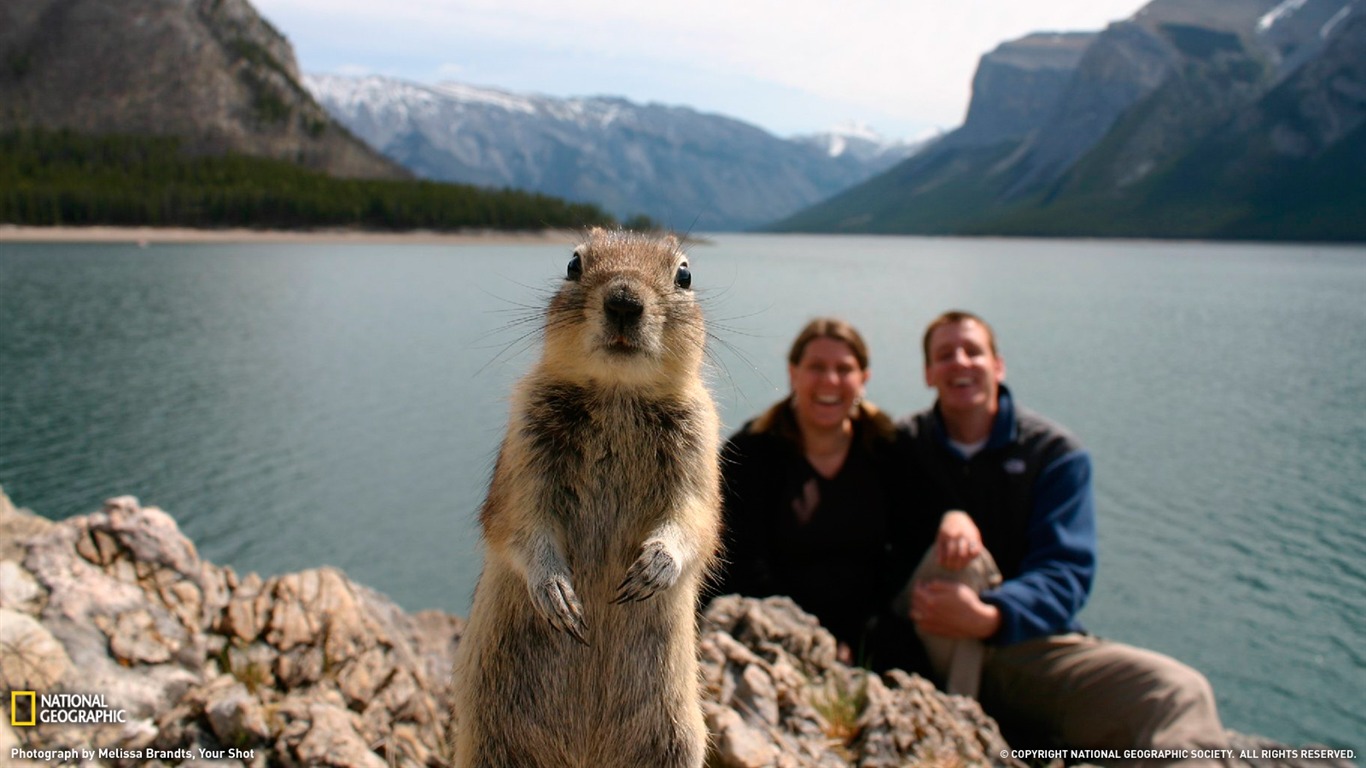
(1025, 486)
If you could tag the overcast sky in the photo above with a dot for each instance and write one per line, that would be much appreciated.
(903, 67)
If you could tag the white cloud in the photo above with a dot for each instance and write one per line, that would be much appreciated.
(909, 60)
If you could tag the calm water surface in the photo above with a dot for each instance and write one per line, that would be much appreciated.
(298, 406)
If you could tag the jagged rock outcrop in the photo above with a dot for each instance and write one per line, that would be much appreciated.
(301, 669)
(311, 669)
(776, 696)
(1323, 102)
(1296, 31)
(212, 72)
(1201, 52)
(1018, 86)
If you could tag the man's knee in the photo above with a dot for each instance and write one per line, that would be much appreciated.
(1176, 683)
(1195, 688)
(1196, 697)
(1182, 711)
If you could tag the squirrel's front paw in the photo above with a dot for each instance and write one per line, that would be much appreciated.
(556, 601)
(654, 570)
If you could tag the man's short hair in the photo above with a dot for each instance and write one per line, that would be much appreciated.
(949, 318)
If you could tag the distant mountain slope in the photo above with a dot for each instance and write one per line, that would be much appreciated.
(1289, 165)
(1016, 91)
(1195, 118)
(683, 168)
(211, 72)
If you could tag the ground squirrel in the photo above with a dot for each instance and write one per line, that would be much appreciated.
(602, 520)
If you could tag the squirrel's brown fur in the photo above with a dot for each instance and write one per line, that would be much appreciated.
(601, 521)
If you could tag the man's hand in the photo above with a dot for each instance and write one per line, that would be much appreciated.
(958, 540)
(954, 610)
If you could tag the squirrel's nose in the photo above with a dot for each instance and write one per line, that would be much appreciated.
(622, 307)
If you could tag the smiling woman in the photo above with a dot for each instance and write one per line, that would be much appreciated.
(827, 379)
(809, 497)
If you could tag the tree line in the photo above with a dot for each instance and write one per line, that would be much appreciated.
(61, 178)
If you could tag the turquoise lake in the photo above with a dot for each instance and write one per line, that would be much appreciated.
(294, 406)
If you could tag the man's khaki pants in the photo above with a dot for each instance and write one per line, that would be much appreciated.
(1075, 691)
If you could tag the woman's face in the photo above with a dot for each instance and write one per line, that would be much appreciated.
(826, 383)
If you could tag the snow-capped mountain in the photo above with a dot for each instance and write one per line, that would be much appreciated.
(683, 168)
(860, 141)
(1298, 29)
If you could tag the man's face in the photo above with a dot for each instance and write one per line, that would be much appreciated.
(963, 369)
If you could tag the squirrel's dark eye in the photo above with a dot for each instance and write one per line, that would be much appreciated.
(684, 277)
(575, 268)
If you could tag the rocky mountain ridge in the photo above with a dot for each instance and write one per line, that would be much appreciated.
(1191, 119)
(212, 72)
(1018, 84)
(683, 168)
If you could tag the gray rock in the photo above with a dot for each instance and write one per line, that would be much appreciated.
(31, 659)
(324, 733)
(237, 717)
(775, 667)
(756, 693)
(738, 745)
(311, 669)
(16, 525)
(18, 589)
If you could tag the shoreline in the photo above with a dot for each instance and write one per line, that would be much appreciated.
(187, 235)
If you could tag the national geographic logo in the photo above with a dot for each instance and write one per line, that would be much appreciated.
(23, 708)
(27, 708)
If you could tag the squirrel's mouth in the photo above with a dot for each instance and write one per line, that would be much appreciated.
(619, 344)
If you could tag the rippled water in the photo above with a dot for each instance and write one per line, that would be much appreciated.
(298, 406)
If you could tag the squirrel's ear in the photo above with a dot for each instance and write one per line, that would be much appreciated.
(597, 232)
(671, 240)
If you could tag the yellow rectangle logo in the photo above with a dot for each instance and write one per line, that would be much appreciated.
(17, 696)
